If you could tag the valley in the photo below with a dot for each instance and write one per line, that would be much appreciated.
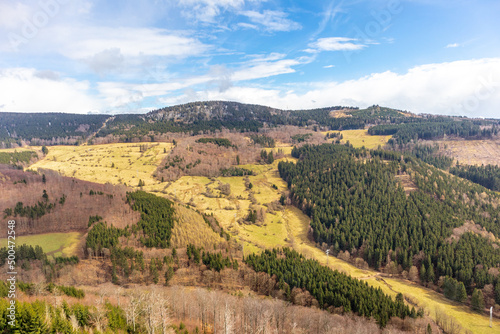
(228, 196)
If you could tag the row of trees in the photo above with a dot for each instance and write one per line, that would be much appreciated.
(36, 211)
(224, 142)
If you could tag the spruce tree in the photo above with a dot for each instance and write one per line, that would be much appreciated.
(423, 274)
(461, 294)
(477, 301)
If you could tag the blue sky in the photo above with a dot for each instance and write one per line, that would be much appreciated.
(440, 57)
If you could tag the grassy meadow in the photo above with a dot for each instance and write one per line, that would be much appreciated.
(113, 163)
(54, 244)
(360, 138)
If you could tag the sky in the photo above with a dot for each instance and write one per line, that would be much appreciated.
(129, 56)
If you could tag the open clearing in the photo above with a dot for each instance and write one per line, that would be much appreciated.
(113, 163)
(360, 138)
(472, 152)
(54, 244)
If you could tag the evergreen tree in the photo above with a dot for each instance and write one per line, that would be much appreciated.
(461, 293)
(477, 301)
(497, 293)
(423, 273)
(169, 274)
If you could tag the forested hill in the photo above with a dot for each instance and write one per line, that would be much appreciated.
(358, 204)
(47, 128)
(199, 117)
(214, 115)
(196, 117)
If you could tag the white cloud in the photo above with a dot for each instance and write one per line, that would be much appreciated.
(469, 87)
(207, 10)
(264, 69)
(245, 25)
(219, 77)
(453, 45)
(28, 90)
(93, 43)
(14, 14)
(132, 42)
(272, 20)
(328, 66)
(335, 44)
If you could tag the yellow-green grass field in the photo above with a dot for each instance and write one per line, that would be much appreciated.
(360, 138)
(113, 163)
(230, 210)
(54, 244)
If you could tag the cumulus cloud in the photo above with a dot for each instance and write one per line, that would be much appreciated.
(47, 74)
(468, 87)
(29, 90)
(102, 43)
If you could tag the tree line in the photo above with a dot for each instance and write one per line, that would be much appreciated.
(36, 211)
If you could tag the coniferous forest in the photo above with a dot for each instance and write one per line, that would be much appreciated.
(488, 176)
(330, 288)
(357, 204)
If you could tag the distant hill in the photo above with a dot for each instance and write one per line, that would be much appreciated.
(47, 128)
(210, 116)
